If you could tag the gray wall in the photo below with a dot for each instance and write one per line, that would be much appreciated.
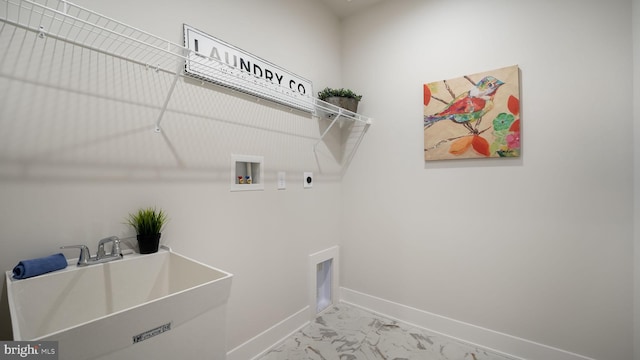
(636, 167)
(78, 151)
(538, 247)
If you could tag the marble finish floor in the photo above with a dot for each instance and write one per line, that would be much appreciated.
(344, 332)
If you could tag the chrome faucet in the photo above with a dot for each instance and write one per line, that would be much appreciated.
(85, 257)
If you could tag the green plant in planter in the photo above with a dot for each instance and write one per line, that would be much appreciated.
(343, 98)
(148, 223)
(329, 92)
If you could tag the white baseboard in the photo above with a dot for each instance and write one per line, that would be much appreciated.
(485, 338)
(270, 338)
(465, 332)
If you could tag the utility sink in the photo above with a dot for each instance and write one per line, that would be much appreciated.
(161, 305)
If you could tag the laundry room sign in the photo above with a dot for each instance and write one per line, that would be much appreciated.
(214, 60)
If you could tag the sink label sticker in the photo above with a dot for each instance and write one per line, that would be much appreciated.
(151, 333)
(29, 350)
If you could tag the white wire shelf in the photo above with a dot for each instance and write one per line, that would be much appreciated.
(65, 21)
(73, 24)
(337, 113)
(330, 110)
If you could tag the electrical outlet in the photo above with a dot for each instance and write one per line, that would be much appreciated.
(307, 180)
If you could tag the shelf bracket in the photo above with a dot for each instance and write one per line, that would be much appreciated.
(340, 113)
(169, 94)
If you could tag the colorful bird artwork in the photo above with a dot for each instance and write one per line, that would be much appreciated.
(470, 106)
(457, 128)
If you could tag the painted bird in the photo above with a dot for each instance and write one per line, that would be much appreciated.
(469, 106)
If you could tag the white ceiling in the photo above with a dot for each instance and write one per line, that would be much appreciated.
(344, 8)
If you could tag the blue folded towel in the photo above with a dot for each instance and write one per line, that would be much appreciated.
(34, 267)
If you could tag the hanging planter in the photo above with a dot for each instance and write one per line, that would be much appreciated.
(148, 224)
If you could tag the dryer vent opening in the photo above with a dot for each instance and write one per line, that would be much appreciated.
(324, 272)
(323, 280)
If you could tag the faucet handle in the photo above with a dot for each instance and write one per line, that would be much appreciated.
(115, 250)
(83, 259)
(115, 247)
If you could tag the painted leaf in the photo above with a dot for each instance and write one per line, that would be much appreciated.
(508, 153)
(460, 146)
(499, 141)
(514, 105)
(515, 127)
(481, 145)
(427, 95)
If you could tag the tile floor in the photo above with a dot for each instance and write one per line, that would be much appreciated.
(344, 332)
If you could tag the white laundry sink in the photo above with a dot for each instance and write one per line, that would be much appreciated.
(161, 305)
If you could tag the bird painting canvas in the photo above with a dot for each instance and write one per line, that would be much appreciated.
(474, 116)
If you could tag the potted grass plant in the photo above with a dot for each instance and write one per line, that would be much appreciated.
(148, 224)
(344, 98)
